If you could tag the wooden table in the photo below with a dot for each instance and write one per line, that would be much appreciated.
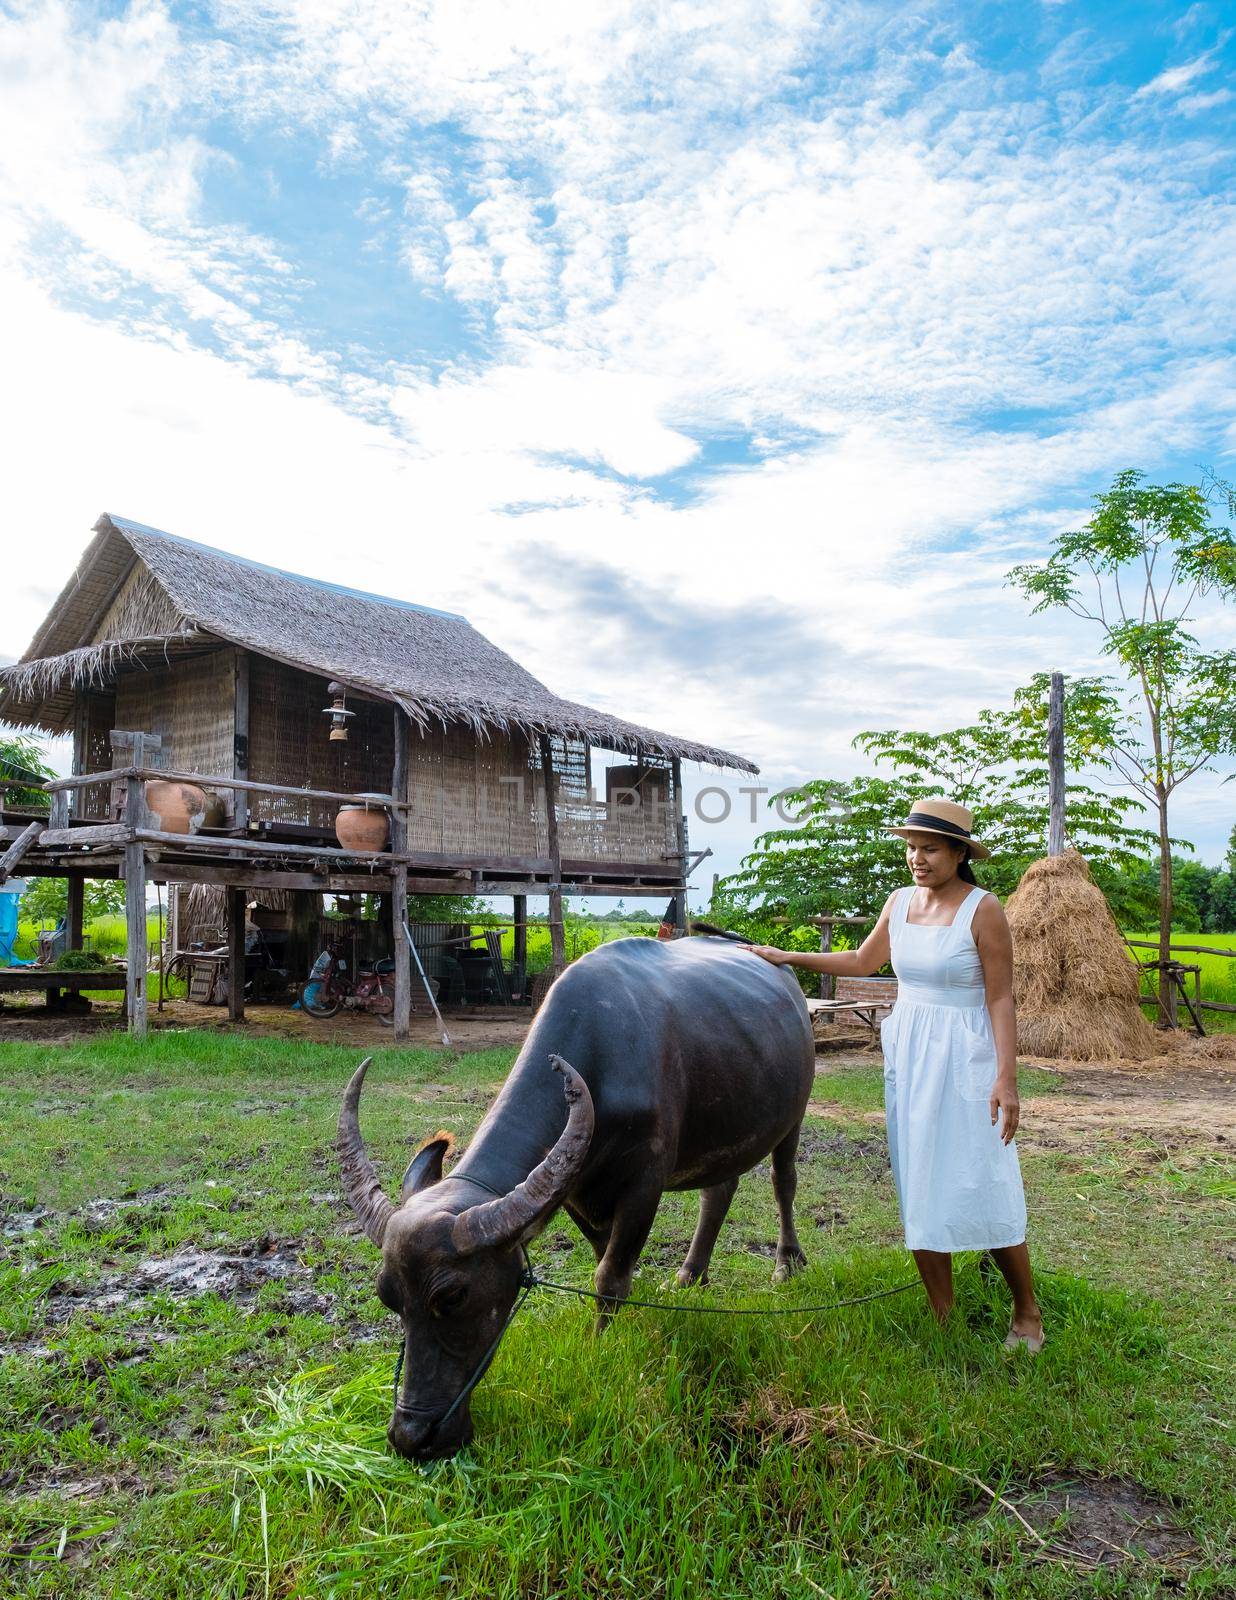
(55, 984)
(867, 1011)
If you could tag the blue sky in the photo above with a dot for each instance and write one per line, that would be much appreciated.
(716, 360)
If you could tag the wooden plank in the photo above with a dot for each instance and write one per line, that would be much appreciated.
(75, 910)
(29, 835)
(236, 955)
(240, 737)
(135, 929)
(15, 980)
(100, 833)
(403, 955)
(1055, 766)
(211, 844)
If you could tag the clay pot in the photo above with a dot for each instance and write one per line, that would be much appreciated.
(361, 828)
(183, 807)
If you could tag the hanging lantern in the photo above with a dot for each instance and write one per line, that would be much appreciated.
(337, 711)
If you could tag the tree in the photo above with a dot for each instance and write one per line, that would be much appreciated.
(22, 762)
(1135, 571)
(840, 858)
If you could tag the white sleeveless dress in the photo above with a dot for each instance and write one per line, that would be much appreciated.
(958, 1184)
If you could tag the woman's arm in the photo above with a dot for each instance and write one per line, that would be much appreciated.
(870, 956)
(995, 948)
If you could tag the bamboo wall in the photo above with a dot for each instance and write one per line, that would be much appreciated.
(289, 743)
(190, 705)
(486, 796)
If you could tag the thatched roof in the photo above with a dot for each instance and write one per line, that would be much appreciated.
(432, 663)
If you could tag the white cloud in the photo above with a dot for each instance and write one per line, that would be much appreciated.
(942, 304)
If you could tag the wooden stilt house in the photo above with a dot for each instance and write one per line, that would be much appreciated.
(285, 698)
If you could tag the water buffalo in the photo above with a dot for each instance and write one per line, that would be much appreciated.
(684, 1063)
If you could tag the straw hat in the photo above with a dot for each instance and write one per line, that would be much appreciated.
(950, 821)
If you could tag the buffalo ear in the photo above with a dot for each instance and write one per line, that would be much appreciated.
(425, 1167)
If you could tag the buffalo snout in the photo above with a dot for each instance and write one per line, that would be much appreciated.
(423, 1436)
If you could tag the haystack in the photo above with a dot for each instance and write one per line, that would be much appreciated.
(1075, 984)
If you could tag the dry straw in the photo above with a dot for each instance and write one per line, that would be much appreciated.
(1075, 984)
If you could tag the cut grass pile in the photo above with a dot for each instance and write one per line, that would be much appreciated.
(164, 1442)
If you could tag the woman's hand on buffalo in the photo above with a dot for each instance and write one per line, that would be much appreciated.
(1004, 1098)
(779, 958)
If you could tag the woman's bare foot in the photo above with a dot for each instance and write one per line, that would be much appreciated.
(1026, 1331)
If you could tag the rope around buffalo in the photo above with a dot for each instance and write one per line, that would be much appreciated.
(529, 1281)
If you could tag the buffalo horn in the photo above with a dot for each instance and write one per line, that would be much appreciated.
(362, 1187)
(505, 1220)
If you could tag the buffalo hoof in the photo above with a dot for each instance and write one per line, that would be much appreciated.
(688, 1275)
(788, 1265)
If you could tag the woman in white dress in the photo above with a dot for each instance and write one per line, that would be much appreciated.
(950, 1061)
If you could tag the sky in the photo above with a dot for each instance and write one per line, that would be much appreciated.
(716, 361)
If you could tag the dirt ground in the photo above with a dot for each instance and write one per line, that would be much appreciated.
(35, 1022)
(1197, 1101)
(1186, 1092)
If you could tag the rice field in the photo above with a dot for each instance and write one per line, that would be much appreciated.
(1218, 974)
(197, 1372)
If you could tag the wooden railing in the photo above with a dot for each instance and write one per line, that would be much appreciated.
(1176, 971)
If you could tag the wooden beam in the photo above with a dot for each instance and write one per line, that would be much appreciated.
(1055, 766)
(102, 833)
(1187, 949)
(30, 834)
(240, 738)
(209, 781)
(75, 911)
(402, 954)
(557, 932)
(212, 844)
(236, 955)
(519, 937)
(680, 840)
(135, 940)
(399, 788)
(254, 877)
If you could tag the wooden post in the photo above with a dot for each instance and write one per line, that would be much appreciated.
(399, 787)
(827, 984)
(680, 844)
(519, 940)
(81, 753)
(240, 741)
(557, 933)
(135, 931)
(236, 954)
(75, 912)
(1055, 765)
(135, 750)
(402, 954)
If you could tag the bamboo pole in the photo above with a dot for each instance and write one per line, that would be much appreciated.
(1055, 766)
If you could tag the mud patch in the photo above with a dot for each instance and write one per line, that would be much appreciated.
(1103, 1522)
(17, 1224)
(841, 1150)
(236, 1275)
(829, 1217)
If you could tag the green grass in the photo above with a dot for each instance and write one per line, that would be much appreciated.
(241, 1447)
